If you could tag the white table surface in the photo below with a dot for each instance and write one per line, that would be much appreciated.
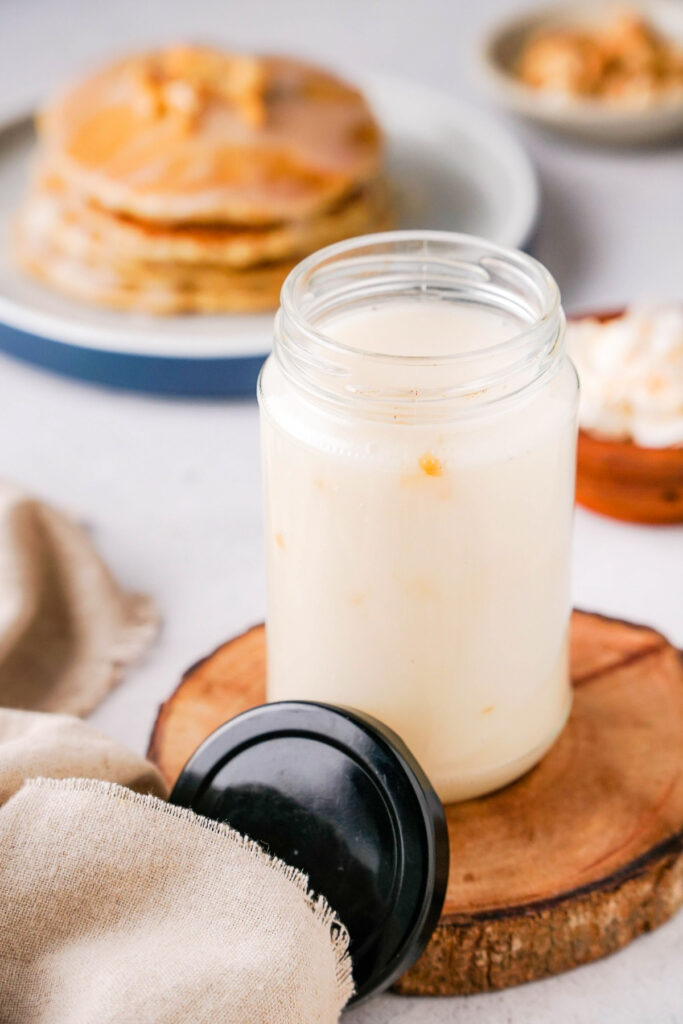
(170, 488)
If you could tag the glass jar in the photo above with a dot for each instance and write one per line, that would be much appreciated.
(419, 428)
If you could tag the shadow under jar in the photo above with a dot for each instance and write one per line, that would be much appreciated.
(419, 433)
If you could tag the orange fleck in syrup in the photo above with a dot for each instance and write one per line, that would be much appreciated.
(430, 465)
(280, 541)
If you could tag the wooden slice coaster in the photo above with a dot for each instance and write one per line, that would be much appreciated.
(564, 866)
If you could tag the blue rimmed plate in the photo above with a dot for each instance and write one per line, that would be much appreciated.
(451, 167)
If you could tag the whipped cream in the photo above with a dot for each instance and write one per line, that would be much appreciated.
(631, 374)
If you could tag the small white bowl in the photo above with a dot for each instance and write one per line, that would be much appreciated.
(593, 119)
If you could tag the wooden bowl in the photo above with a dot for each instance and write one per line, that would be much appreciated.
(623, 480)
(620, 479)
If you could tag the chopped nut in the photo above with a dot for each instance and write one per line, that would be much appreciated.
(626, 61)
(184, 80)
(563, 61)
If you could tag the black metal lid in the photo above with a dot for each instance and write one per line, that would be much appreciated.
(337, 794)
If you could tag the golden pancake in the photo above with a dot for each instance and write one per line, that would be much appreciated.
(149, 286)
(190, 134)
(84, 230)
(157, 288)
(189, 180)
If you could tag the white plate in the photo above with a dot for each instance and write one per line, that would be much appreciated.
(587, 118)
(452, 168)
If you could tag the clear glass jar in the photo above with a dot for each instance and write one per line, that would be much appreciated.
(418, 498)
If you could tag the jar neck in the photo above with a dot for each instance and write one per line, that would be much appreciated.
(424, 267)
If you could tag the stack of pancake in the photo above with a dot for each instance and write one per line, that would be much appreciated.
(193, 180)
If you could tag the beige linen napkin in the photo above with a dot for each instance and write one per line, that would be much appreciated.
(121, 909)
(33, 744)
(66, 628)
(118, 908)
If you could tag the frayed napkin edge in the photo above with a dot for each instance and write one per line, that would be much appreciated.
(322, 912)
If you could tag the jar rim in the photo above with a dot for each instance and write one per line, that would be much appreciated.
(297, 276)
(447, 266)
